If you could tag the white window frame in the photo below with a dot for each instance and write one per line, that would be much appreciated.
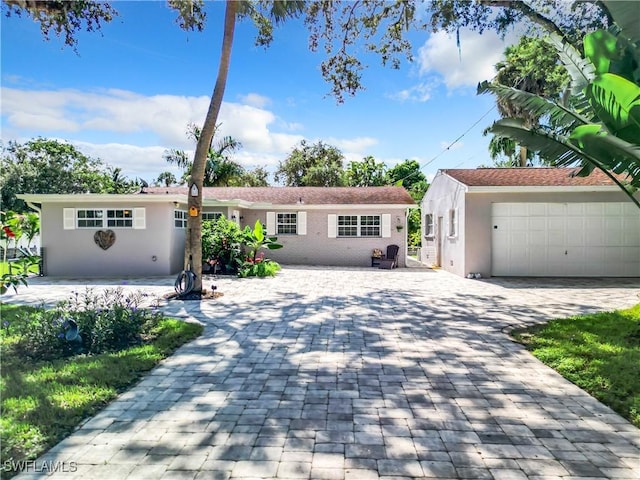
(97, 221)
(428, 225)
(126, 221)
(215, 216)
(452, 221)
(359, 227)
(283, 227)
(180, 219)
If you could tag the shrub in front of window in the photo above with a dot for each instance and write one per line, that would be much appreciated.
(222, 244)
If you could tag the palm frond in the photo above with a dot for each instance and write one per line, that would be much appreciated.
(558, 114)
(580, 69)
(625, 158)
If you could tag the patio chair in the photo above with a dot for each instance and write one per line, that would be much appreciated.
(390, 260)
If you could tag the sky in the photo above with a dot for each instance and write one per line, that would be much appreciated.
(131, 90)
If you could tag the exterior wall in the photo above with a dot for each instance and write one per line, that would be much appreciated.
(316, 248)
(478, 223)
(74, 252)
(443, 195)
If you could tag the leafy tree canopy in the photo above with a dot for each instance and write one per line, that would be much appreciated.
(367, 173)
(315, 165)
(50, 166)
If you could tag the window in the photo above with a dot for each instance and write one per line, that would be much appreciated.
(370, 226)
(358, 225)
(211, 216)
(428, 225)
(89, 218)
(134, 218)
(453, 223)
(287, 223)
(119, 218)
(180, 218)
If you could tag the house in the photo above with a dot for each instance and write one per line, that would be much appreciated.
(529, 222)
(144, 233)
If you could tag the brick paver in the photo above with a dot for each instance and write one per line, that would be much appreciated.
(357, 374)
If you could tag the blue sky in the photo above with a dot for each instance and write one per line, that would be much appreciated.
(132, 89)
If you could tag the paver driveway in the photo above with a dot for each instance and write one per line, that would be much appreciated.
(357, 373)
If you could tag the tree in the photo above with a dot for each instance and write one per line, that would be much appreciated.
(530, 66)
(219, 169)
(166, 179)
(316, 165)
(367, 173)
(49, 166)
(408, 173)
(258, 177)
(599, 127)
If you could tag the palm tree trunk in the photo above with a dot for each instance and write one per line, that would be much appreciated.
(193, 244)
(523, 156)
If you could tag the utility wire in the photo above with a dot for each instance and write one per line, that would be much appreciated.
(448, 146)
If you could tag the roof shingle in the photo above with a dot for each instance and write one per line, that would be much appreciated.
(527, 177)
(294, 195)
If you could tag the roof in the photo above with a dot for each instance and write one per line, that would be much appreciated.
(527, 177)
(298, 195)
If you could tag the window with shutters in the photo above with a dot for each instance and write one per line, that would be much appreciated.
(286, 223)
(359, 226)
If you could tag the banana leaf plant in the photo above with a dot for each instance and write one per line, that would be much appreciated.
(255, 239)
(599, 125)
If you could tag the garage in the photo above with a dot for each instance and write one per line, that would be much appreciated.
(590, 239)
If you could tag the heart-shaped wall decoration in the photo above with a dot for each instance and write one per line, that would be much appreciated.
(104, 238)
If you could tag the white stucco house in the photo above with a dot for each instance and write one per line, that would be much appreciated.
(529, 222)
(144, 233)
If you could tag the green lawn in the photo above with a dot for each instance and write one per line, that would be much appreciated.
(42, 401)
(600, 353)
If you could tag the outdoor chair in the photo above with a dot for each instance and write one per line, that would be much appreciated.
(390, 260)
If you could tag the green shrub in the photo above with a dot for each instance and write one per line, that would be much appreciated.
(222, 244)
(259, 268)
(106, 322)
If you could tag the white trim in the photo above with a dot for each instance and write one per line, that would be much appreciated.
(544, 189)
(302, 223)
(385, 225)
(271, 223)
(139, 218)
(332, 225)
(69, 218)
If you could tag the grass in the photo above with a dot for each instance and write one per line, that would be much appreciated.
(600, 353)
(43, 401)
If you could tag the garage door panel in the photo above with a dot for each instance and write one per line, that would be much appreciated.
(567, 239)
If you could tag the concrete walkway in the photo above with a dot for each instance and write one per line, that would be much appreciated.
(358, 374)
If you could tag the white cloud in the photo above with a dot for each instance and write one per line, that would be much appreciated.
(471, 64)
(131, 131)
(417, 93)
(255, 100)
(135, 161)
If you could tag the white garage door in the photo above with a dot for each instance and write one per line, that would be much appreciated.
(565, 239)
